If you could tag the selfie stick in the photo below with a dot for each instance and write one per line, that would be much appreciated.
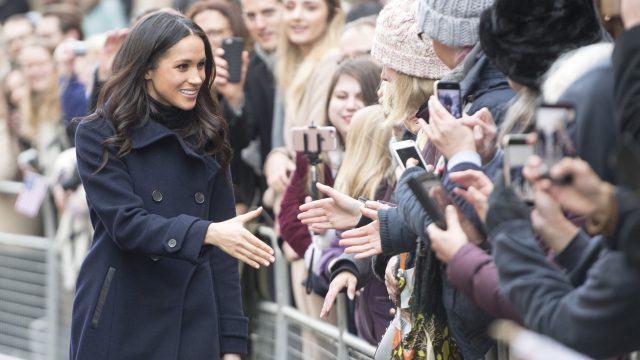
(314, 160)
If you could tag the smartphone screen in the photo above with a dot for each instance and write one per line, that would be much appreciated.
(405, 150)
(516, 153)
(421, 186)
(553, 141)
(450, 98)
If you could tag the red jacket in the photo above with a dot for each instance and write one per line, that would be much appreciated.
(292, 230)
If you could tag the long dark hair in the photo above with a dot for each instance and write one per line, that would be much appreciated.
(124, 99)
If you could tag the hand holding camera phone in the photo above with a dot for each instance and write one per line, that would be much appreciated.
(233, 48)
(405, 150)
(450, 97)
(552, 137)
(516, 152)
(314, 139)
(420, 186)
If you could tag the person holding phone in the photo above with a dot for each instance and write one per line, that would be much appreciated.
(353, 86)
(162, 271)
(367, 171)
(306, 53)
(263, 19)
(222, 22)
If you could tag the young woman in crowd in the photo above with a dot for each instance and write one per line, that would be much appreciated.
(352, 87)
(307, 57)
(366, 171)
(220, 20)
(41, 115)
(154, 162)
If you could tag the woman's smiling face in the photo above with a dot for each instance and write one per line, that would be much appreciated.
(179, 74)
(306, 21)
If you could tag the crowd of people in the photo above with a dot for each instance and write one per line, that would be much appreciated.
(164, 146)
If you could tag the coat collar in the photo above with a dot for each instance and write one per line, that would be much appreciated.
(152, 131)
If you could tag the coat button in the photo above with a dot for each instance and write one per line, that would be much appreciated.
(154, 258)
(172, 243)
(156, 195)
(199, 197)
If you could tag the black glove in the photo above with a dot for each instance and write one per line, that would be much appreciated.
(504, 204)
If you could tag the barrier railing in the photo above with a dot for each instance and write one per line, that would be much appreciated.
(30, 326)
(33, 318)
(285, 323)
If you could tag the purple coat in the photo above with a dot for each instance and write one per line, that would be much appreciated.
(372, 305)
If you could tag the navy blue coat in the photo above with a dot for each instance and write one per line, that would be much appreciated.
(148, 288)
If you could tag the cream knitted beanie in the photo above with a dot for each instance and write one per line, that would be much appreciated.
(398, 46)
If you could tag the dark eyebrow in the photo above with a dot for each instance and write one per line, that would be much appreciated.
(204, 59)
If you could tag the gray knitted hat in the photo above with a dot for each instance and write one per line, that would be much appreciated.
(454, 23)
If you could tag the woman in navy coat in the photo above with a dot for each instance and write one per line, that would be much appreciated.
(161, 279)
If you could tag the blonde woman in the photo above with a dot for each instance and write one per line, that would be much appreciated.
(307, 57)
(41, 114)
(367, 170)
(352, 87)
(410, 67)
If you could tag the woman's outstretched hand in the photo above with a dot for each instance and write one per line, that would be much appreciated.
(232, 237)
(337, 211)
(344, 280)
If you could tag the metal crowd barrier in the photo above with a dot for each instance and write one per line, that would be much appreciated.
(278, 334)
(31, 324)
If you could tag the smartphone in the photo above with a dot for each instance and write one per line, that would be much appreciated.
(405, 150)
(450, 97)
(516, 152)
(420, 186)
(233, 48)
(423, 111)
(314, 139)
(552, 137)
(79, 48)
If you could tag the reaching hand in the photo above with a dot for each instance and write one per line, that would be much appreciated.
(338, 211)
(364, 241)
(112, 44)
(485, 133)
(343, 280)
(390, 278)
(550, 224)
(630, 11)
(446, 132)
(232, 237)
(585, 194)
(278, 168)
(479, 187)
(446, 243)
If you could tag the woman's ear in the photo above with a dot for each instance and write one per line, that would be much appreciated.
(147, 74)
